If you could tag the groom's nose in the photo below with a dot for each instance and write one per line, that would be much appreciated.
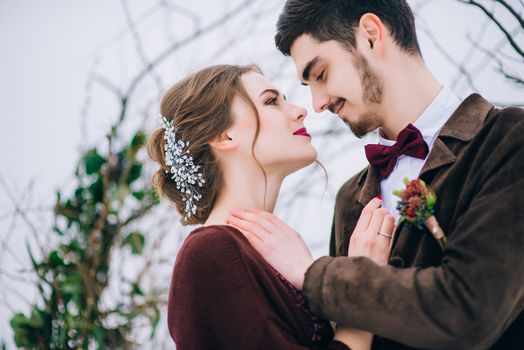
(320, 99)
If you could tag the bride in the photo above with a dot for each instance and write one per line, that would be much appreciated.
(228, 140)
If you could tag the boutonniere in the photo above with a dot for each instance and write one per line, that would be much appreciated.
(417, 206)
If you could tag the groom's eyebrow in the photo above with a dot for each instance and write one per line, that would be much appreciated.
(309, 66)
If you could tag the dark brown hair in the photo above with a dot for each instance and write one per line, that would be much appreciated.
(200, 108)
(336, 20)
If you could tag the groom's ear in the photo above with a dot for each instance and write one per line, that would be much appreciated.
(223, 142)
(374, 32)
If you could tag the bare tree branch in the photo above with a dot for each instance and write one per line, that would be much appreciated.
(444, 52)
(138, 78)
(515, 14)
(139, 47)
(491, 16)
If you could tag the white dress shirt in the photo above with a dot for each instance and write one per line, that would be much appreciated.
(429, 123)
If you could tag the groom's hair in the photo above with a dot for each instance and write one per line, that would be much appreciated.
(337, 20)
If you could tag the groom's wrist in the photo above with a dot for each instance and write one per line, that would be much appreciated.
(313, 283)
(301, 275)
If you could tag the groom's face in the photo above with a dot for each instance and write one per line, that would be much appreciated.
(341, 81)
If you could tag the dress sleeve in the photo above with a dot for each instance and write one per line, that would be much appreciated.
(216, 304)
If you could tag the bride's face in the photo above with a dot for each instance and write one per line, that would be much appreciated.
(283, 144)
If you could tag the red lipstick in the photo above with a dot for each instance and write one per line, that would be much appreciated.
(302, 132)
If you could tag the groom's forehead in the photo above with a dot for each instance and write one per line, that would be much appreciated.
(306, 53)
(305, 45)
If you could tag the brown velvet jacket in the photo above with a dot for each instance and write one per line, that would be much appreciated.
(470, 296)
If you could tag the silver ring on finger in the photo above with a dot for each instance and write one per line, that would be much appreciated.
(385, 234)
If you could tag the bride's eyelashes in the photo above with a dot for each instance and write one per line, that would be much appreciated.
(272, 101)
(275, 100)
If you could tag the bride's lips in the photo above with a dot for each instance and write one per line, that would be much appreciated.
(302, 132)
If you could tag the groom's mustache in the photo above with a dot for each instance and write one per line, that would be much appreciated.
(333, 107)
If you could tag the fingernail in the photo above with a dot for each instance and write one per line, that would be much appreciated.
(379, 197)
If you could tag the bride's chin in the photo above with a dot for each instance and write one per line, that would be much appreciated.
(304, 161)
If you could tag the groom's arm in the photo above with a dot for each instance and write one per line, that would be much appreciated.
(468, 301)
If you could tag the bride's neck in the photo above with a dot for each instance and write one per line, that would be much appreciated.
(241, 190)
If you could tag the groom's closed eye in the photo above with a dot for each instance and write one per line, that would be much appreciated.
(320, 77)
(306, 73)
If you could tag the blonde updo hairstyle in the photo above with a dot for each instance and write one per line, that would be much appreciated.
(200, 108)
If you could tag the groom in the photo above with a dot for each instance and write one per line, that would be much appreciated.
(362, 61)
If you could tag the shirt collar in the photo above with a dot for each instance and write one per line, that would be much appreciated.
(431, 121)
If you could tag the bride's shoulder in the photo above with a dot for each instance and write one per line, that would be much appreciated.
(213, 251)
(213, 239)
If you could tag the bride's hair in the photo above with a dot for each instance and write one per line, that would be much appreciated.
(200, 108)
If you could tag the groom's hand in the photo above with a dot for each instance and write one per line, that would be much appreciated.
(279, 245)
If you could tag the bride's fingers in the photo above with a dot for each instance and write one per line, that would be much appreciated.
(376, 220)
(255, 219)
(367, 214)
(244, 225)
(393, 234)
(387, 228)
(388, 225)
(279, 224)
(250, 236)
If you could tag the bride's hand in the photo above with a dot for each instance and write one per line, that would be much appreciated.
(372, 238)
(281, 246)
(373, 234)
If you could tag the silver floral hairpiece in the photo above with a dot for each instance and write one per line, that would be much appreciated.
(185, 173)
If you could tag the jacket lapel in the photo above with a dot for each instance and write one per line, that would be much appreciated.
(463, 125)
(369, 183)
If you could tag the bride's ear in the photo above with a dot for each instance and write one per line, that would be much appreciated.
(223, 143)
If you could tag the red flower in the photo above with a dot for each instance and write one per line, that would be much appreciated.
(411, 212)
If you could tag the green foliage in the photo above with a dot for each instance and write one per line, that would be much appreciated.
(72, 277)
(136, 241)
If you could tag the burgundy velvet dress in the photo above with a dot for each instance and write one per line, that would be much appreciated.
(224, 295)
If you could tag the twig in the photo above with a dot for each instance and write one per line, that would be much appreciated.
(138, 45)
(450, 58)
(490, 15)
(138, 78)
(515, 14)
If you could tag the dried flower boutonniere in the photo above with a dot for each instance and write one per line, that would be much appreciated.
(417, 206)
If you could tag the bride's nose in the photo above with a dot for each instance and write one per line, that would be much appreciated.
(299, 113)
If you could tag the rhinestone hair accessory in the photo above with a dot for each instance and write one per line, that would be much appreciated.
(185, 173)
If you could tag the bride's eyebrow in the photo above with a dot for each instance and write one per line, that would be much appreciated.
(276, 92)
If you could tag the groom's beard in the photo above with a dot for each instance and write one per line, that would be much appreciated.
(372, 96)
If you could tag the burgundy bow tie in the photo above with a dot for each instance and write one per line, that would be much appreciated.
(409, 142)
